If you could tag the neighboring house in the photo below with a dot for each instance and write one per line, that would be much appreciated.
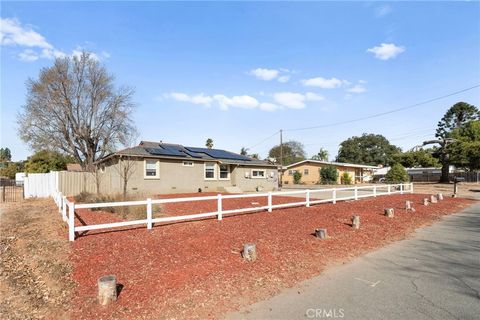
(74, 167)
(310, 170)
(156, 167)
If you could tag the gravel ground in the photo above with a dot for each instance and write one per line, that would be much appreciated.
(194, 269)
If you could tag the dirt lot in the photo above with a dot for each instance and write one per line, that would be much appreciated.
(465, 190)
(192, 269)
(35, 272)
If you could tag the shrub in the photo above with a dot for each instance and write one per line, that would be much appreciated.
(297, 177)
(328, 175)
(125, 212)
(346, 179)
(397, 174)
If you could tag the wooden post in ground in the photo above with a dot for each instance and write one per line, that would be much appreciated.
(107, 289)
(425, 202)
(440, 196)
(433, 199)
(389, 212)
(321, 233)
(249, 252)
(356, 222)
(409, 206)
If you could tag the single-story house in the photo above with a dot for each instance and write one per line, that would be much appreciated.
(310, 170)
(157, 167)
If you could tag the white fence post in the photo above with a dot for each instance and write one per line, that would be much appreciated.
(307, 198)
(334, 195)
(219, 206)
(374, 191)
(71, 221)
(149, 213)
(64, 208)
(356, 193)
(59, 201)
(401, 188)
(269, 198)
(411, 187)
(388, 189)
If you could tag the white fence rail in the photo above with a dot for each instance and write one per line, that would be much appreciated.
(67, 208)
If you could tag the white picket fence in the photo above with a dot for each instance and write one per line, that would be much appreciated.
(67, 208)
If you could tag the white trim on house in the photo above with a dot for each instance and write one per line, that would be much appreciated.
(187, 163)
(220, 172)
(157, 169)
(214, 171)
(264, 176)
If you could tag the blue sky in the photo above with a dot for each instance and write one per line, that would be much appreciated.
(239, 72)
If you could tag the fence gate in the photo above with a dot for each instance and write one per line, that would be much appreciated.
(11, 190)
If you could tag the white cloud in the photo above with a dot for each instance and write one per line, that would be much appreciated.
(271, 74)
(324, 83)
(290, 99)
(266, 106)
(244, 101)
(28, 55)
(383, 10)
(357, 89)
(295, 100)
(265, 74)
(310, 96)
(14, 34)
(386, 51)
(196, 99)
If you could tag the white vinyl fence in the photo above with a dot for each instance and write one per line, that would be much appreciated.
(311, 197)
(40, 185)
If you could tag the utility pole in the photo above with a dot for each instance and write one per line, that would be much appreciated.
(281, 158)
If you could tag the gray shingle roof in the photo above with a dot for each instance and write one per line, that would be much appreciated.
(145, 147)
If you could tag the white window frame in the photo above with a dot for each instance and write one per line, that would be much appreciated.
(187, 163)
(306, 172)
(257, 177)
(220, 169)
(205, 171)
(157, 163)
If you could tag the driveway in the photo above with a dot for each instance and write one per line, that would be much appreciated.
(434, 275)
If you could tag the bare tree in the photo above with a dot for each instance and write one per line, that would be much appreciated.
(125, 169)
(74, 107)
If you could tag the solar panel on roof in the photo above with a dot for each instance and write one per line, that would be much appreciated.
(165, 152)
(219, 154)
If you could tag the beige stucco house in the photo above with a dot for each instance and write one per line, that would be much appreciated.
(310, 170)
(159, 168)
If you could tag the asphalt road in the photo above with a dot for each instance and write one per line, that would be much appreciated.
(434, 275)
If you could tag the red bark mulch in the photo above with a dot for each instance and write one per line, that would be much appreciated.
(194, 269)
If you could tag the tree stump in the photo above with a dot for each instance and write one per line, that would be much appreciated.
(389, 212)
(454, 195)
(107, 289)
(433, 199)
(425, 202)
(249, 252)
(321, 233)
(440, 196)
(356, 222)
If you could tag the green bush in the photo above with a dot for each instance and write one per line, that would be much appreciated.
(397, 174)
(328, 175)
(297, 177)
(346, 179)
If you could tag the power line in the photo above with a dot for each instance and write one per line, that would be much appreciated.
(386, 112)
(259, 143)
